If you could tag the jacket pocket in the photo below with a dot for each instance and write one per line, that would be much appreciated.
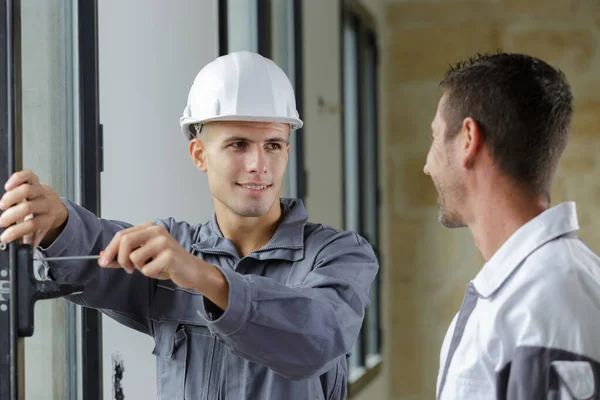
(171, 349)
(338, 383)
(575, 380)
(331, 382)
(187, 350)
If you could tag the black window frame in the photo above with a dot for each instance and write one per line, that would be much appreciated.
(91, 153)
(11, 346)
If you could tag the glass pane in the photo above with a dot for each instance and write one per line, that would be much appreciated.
(282, 20)
(48, 112)
(351, 142)
(369, 192)
(351, 138)
(242, 25)
(284, 55)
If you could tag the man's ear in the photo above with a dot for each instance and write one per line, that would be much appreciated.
(471, 141)
(197, 150)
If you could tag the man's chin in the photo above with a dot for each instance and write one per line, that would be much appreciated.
(253, 209)
(450, 221)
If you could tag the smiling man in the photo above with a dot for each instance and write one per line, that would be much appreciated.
(258, 303)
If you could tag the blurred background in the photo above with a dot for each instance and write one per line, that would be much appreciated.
(103, 84)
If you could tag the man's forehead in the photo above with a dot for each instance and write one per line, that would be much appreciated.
(259, 125)
(249, 130)
(439, 114)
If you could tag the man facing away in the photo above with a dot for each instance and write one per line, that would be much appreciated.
(529, 324)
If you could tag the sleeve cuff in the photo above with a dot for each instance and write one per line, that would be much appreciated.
(236, 315)
(62, 242)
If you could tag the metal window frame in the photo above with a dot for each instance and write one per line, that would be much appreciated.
(91, 150)
(371, 38)
(349, 19)
(11, 367)
(301, 172)
(223, 28)
(264, 27)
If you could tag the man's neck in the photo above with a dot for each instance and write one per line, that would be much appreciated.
(496, 218)
(248, 234)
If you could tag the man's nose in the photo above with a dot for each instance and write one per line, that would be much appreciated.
(256, 160)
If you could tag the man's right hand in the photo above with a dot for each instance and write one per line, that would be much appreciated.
(31, 211)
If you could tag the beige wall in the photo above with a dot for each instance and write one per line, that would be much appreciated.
(429, 265)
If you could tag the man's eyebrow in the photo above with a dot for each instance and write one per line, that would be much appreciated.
(277, 139)
(244, 139)
(236, 139)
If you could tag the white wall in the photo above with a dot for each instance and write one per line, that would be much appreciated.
(149, 53)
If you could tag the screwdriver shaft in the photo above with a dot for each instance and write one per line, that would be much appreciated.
(67, 258)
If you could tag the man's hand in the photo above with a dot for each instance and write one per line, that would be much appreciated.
(35, 209)
(150, 249)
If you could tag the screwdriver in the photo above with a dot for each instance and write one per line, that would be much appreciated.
(67, 258)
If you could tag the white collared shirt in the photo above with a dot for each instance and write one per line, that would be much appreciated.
(534, 330)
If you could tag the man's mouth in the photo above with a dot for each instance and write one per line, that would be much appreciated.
(253, 186)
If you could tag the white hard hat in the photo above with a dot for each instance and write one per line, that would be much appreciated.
(240, 86)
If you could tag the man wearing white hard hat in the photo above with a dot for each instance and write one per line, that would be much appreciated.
(257, 303)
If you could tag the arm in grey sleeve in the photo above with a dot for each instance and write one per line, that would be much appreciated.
(300, 332)
(122, 296)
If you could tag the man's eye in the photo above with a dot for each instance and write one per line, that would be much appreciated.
(273, 146)
(238, 145)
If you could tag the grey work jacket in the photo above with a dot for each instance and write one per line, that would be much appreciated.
(295, 307)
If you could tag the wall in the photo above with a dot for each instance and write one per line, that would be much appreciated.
(147, 62)
(429, 265)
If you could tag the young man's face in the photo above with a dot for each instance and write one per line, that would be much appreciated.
(442, 169)
(245, 163)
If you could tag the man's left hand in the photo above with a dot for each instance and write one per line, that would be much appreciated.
(150, 249)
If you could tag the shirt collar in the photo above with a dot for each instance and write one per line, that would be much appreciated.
(550, 224)
(286, 243)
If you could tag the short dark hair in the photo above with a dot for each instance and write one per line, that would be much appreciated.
(522, 105)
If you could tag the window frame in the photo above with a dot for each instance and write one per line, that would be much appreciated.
(11, 367)
(12, 382)
(91, 165)
(352, 12)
